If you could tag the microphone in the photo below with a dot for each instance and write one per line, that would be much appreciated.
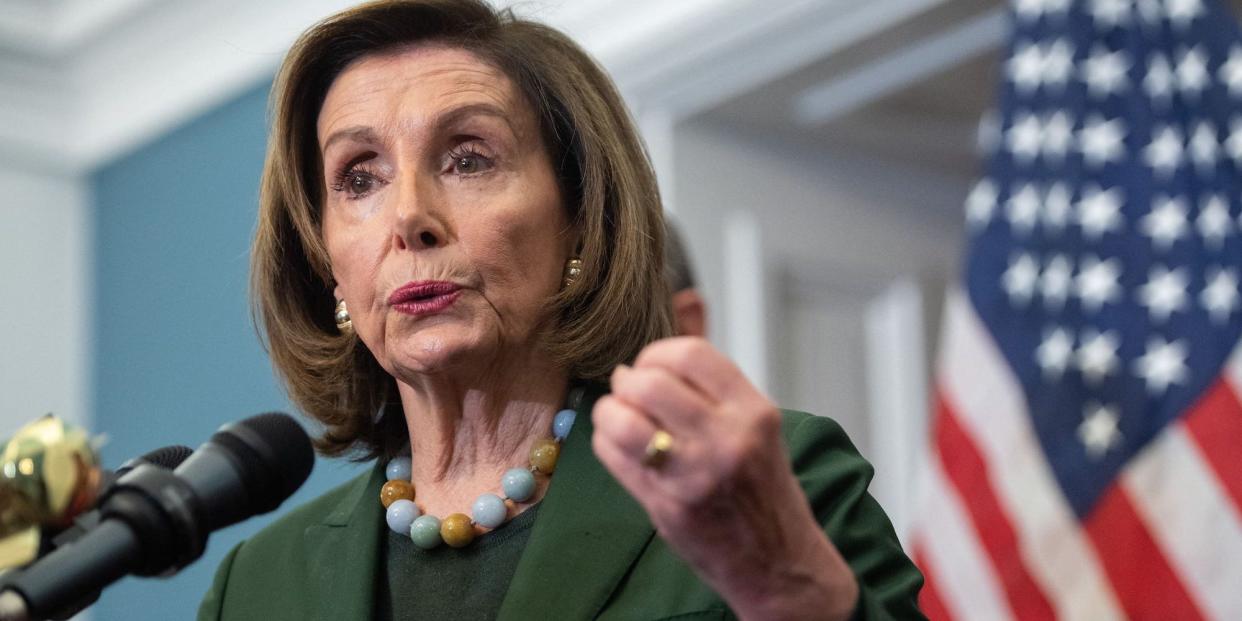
(156, 521)
(167, 457)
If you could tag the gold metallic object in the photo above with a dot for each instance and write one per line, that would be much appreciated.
(49, 473)
(659, 447)
(343, 322)
(573, 269)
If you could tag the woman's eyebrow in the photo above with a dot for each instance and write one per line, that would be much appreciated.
(356, 133)
(446, 118)
(453, 116)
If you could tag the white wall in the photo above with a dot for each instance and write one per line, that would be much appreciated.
(45, 238)
(838, 232)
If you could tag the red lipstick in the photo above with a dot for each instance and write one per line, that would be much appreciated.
(424, 297)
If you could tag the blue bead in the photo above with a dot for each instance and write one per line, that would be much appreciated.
(518, 484)
(489, 511)
(400, 515)
(398, 468)
(425, 531)
(562, 423)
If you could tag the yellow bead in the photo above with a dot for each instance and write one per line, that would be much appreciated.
(456, 530)
(396, 490)
(543, 455)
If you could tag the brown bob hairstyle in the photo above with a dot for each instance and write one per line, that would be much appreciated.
(616, 306)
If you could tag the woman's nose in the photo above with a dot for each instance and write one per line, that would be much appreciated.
(419, 223)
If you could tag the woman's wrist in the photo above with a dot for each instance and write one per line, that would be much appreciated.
(816, 584)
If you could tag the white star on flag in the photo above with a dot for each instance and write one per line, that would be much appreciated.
(1109, 13)
(1164, 292)
(1025, 137)
(1182, 12)
(1057, 206)
(1213, 221)
(1101, 142)
(1104, 72)
(1055, 283)
(1160, 79)
(1058, 63)
(1162, 365)
(1164, 152)
(1096, 358)
(1053, 353)
(1025, 67)
(1166, 223)
(1098, 431)
(981, 203)
(1020, 279)
(1058, 135)
(1097, 282)
(1233, 144)
(1099, 211)
(1023, 209)
(1230, 72)
(1220, 296)
(1150, 11)
(1192, 73)
(1204, 147)
(1029, 10)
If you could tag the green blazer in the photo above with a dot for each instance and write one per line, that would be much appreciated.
(592, 553)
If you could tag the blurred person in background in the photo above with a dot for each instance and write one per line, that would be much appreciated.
(458, 272)
(689, 307)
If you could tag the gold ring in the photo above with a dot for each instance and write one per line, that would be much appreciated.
(658, 449)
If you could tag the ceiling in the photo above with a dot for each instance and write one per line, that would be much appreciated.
(86, 80)
(849, 101)
(902, 80)
(927, 118)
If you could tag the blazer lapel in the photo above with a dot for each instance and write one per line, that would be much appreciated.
(343, 551)
(588, 534)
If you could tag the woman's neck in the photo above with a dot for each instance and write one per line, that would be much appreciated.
(465, 433)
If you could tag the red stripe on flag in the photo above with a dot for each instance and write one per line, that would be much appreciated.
(966, 468)
(929, 598)
(1145, 584)
(1215, 423)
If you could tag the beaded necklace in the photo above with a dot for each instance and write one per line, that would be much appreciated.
(489, 510)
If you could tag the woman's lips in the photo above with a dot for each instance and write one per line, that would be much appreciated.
(424, 298)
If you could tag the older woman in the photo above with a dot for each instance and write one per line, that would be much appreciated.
(458, 270)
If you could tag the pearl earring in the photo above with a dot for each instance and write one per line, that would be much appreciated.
(343, 322)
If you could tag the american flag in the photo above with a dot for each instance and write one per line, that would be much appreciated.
(1086, 445)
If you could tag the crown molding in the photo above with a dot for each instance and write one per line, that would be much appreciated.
(93, 79)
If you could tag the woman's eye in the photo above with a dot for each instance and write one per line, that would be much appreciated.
(466, 164)
(360, 184)
(469, 163)
(355, 183)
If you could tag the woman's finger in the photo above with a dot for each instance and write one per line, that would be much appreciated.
(665, 398)
(623, 425)
(702, 365)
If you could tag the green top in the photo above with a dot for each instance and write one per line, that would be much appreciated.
(451, 583)
(592, 552)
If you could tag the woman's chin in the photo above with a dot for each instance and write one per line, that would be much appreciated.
(422, 357)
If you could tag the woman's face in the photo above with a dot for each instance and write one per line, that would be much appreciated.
(442, 218)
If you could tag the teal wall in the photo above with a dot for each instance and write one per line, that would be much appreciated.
(175, 353)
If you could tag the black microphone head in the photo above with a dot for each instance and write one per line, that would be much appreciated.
(167, 457)
(273, 454)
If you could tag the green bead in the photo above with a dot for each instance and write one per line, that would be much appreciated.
(425, 531)
(456, 530)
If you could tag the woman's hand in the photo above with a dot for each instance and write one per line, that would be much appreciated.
(724, 497)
